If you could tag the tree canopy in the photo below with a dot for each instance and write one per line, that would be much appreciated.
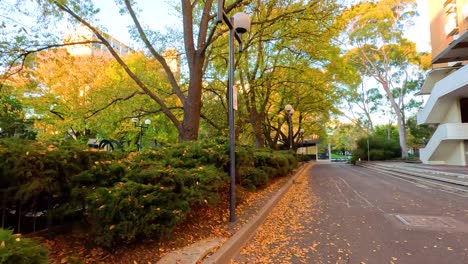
(378, 50)
(289, 58)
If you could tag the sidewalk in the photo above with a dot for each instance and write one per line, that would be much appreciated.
(455, 173)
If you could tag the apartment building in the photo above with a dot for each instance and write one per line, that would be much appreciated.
(82, 33)
(447, 84)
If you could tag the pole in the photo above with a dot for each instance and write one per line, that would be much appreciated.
(140, 138)
(290, 131)
(232, 143)
(302, 143)
(368, 152)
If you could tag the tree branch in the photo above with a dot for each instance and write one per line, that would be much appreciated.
(114, 101)
(158, 56)
(135, 78)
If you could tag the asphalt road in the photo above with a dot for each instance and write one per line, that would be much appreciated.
(341, 213)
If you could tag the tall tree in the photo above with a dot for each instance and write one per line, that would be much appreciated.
(199, 32)
(379, 50)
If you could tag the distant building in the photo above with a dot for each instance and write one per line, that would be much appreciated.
(172, 58)
(447, 84)
(82, 33)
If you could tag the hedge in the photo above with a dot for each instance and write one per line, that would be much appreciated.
(124, 198)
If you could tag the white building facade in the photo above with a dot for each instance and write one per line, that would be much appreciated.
(447, 85)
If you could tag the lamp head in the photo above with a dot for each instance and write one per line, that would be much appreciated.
(147, 122)
(134, 119)
(241, 22)
(288, 107)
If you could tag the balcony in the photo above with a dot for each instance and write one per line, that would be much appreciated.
(446, 145)
(444, 94)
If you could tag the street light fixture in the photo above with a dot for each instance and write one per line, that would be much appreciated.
(290, 111)
(141, 126)
(238, 24)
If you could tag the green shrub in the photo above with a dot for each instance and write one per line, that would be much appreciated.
(189, 154)
(380, 148)
(16, 249)
(252, 178)
(142, 195)
(35, 173)
(150, 202)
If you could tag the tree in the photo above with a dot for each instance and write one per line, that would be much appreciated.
(379, 50)
(344, 136)
(419, 134)
(277, 67)
(199, 32)
(285, 69)
(12, 118)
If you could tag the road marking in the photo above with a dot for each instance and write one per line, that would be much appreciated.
(428, 222)
(402, 219)
(362, 197)
(342, 194)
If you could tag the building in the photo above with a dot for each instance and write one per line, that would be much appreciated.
(82, 33)
(447, 84)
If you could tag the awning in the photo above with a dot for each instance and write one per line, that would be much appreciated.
(456, 51)
(433, 77)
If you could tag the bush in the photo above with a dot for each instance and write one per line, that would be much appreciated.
(150, 202)
(189, 154)
(35, 173)
(256, 167)
(124, 199)
(380, 149)
(254, 178)
(15, 249)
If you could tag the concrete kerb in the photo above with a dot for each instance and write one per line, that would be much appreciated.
(235, 243)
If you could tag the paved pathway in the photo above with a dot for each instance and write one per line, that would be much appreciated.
(338, 213)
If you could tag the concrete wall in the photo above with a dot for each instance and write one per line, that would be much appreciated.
(453, 114)
(440, 17)
(450, 152)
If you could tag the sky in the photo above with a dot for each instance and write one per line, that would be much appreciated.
(156, 14)
(420, 33)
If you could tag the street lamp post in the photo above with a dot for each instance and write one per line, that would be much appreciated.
(301, 134)
(290, 111)
(141, 126)
(238, 24)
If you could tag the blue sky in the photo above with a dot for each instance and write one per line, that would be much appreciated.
(159, 14)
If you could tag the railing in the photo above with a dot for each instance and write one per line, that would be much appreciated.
(38, 215)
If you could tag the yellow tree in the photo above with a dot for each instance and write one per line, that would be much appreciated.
(199, 31)
(89, 95)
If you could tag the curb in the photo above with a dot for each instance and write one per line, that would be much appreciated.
(235, 243)
(192, 253)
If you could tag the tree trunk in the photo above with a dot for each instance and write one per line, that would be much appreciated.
(192, 105)
(400, 122)
(256, 121)
(402, 134)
